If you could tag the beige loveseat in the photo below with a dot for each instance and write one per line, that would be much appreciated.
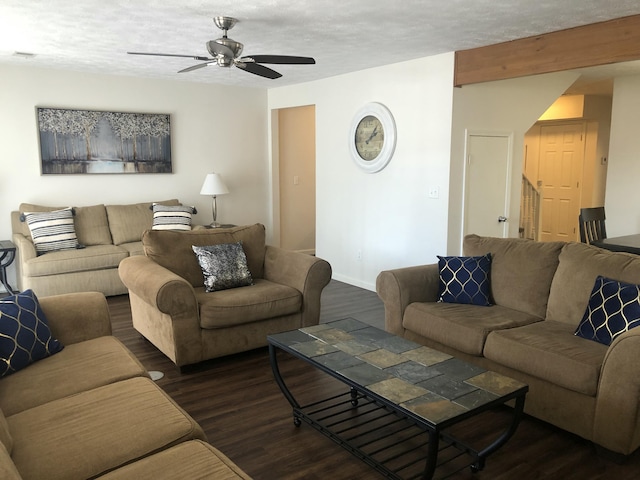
(171, 308)
(90, 410)
(540, 292)
(108, 233)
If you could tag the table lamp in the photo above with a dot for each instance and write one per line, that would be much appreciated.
(214, 186)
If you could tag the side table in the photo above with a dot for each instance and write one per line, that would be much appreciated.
(7, 255)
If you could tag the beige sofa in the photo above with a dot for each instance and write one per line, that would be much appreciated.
(171, 308)
(109, 233)
(540, 292)
(90, 411)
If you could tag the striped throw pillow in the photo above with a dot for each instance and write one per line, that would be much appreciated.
(166, 217)
(52, 231)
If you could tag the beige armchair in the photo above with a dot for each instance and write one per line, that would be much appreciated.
(171, 308)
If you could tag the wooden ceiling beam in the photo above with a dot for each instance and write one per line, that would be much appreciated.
(601, 43)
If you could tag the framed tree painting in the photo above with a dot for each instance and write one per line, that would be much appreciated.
(89, 141)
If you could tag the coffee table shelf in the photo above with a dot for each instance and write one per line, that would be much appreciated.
(396, 433)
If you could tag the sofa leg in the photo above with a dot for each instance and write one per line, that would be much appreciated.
(187, 369)
(610, 455)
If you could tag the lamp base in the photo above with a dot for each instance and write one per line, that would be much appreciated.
(214, 225)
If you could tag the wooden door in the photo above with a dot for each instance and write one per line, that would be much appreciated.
(487, 180)
(561, 163)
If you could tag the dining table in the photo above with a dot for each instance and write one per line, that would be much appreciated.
(625, 243)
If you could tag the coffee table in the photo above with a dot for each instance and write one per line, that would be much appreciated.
(405, 404)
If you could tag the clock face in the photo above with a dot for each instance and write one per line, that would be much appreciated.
(369, 138)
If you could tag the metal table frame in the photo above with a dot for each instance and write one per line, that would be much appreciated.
(435, 436)
(7, 256)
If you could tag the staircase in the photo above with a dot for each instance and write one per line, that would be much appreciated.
(529, 210)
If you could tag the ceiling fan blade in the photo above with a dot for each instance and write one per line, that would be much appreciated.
(257, 69)
(279, 59)
(195, 57)
(196, 67)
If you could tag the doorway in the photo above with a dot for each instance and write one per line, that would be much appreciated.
(297, 178)
(487, 184)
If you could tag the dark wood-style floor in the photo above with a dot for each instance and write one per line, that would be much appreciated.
(245, 415)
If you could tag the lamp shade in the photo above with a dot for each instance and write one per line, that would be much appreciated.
(213, 185)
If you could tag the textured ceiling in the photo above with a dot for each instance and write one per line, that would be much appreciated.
(342, 35)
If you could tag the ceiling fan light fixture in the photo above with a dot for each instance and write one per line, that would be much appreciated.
(223, 61)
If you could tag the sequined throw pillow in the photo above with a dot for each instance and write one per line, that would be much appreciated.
(25, 337)
(223, 266)
(614, 308)
(465, 279)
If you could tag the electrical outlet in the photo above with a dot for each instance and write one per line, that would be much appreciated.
(434, 192)
(359, 255)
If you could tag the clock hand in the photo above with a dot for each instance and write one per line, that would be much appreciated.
(373, 134)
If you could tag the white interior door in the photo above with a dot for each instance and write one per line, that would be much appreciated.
(561, 159)
(487, 184)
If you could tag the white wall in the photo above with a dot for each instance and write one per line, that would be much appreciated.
(623, 174)
(212, 128)
(387, 216)
(507, 106)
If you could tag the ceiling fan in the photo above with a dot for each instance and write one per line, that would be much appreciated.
(226, 52)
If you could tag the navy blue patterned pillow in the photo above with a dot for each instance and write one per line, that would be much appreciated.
(614, 308)
(465, 279)
(24, 333)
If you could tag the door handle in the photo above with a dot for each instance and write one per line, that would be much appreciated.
(502, 219)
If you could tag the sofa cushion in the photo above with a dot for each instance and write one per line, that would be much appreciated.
(92, 226)
(172, 217)
(25, 337)
(96, 257)
(521, 270)
(99, 430)
(79, 367)
(133, 248)
(614, 308)
(193, 459)
(127, 222)
(223, 266)
(5, 435)
(463, 327)
(8, 469)
(237, 306)
(173, 250)
(465, 279)
(52, 231)
(573, 282)
(32, 207)
(550, 351)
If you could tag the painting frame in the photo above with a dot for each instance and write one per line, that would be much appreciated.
(82, 141)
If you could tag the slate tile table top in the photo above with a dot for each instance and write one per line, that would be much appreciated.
(424, 384)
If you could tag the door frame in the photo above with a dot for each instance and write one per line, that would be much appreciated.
(465, 176)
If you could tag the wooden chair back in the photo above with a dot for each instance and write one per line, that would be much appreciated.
(592, 226)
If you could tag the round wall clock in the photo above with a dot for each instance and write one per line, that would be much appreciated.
(372, 139)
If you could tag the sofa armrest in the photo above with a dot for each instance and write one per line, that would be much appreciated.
(400, 287)
(76, 317)
(617, 416)
(158, 286)
(26, 248)
(305, 273)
